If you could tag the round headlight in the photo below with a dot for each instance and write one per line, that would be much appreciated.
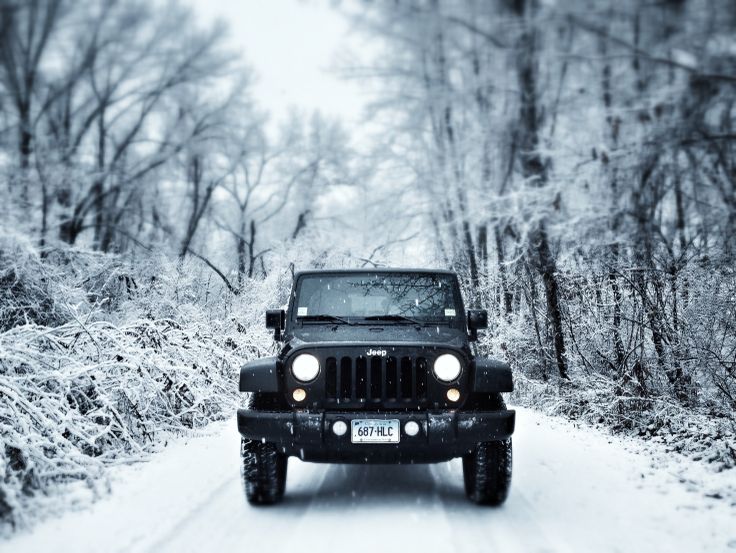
(447, 367)
(305, 367)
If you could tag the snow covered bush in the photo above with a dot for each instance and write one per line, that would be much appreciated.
(26, 290)
(101, 359)
(638, 395)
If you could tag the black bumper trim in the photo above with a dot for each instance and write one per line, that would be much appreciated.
(442, 436)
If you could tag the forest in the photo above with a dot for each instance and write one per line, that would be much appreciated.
(574, 161)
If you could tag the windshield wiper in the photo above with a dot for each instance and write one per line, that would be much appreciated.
(400, 318)
(324, 317)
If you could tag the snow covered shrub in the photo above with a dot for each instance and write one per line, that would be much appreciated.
(26, 290)
(596, 400)
(78, 396)
(636, 393)
(107, 359)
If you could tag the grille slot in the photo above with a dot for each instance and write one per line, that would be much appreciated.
(361, 379)
(378, 381)
(346, 378)
(331, 378)
(407, 383)
(422, 368)
(391, 378)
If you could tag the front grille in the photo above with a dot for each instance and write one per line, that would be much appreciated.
(376, 380)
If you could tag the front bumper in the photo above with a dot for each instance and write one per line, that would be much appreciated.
(443, 435)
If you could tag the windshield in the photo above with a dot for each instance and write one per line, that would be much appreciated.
(396, 297)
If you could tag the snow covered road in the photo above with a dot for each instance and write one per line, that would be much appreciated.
(574, 490)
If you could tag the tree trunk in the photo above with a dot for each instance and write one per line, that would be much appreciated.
(251, 247)
(241, 245)
(447, 135)
(618, 345)
(44, 217)
(199, 203)
(532, 300)
(98, 205)
(24, 150)
(613, 123)
(506, 295)
(534, 169)
(301, 223)
(98, 201)
(547, 268)
(70, 228)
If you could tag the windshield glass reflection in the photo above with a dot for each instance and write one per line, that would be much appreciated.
(419, 296)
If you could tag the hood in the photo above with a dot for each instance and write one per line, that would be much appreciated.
(377, 334)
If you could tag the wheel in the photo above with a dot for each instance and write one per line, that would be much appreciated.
(263, 472)
(263, 469)
(487, 472)
(487, 469)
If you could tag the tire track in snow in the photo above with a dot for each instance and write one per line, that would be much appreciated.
(369, 507)
(199, 509)
(510, 528)
(226, 522)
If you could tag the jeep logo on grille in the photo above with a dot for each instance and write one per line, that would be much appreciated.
(376, 352)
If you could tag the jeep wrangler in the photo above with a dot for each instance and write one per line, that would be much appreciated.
(377, 366)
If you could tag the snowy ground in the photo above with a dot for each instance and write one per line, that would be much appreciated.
(574, 490)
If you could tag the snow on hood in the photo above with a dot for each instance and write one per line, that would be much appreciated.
(378, 334)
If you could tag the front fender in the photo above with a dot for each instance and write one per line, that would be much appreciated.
(260, 375)
(492, 375)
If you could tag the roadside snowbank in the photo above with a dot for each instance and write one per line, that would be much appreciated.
(703, 435)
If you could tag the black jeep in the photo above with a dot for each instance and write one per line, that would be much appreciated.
(377, 367)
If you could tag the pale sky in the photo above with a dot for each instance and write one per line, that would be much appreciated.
(294, 47)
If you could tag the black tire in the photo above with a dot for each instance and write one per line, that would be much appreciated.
(487, 469)
(487, 472)
(263, 469)
(263, 472)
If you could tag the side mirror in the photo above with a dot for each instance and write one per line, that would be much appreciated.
(275, 319)
(477, 320)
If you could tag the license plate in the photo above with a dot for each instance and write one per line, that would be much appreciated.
(374, 431)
